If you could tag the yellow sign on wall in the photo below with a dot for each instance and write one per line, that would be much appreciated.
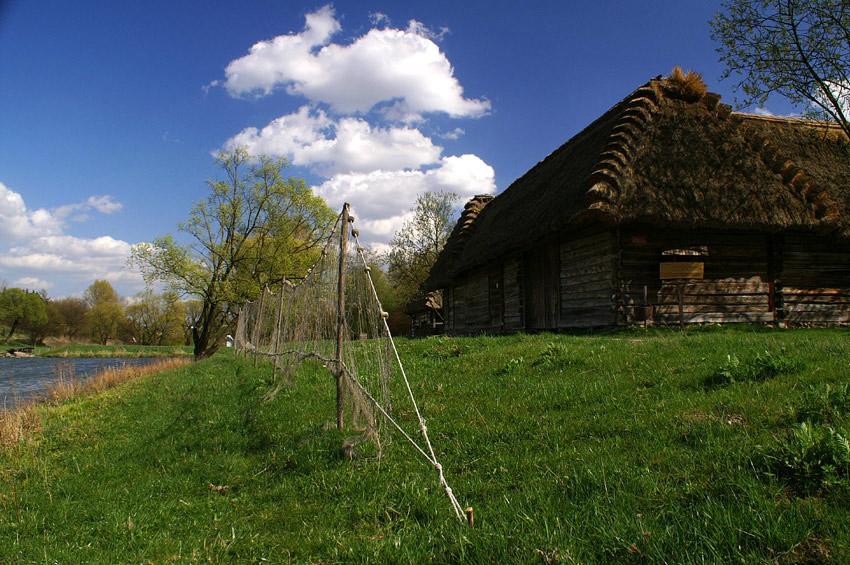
(683, 270)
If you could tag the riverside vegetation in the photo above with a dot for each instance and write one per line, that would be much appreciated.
(708, 445)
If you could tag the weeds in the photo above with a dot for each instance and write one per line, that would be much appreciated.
(813, 458)
(827, 404)
(556, 356)
(759, 368)
(445, 348)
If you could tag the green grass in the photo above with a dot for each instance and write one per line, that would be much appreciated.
(77, 350)
(628, 447)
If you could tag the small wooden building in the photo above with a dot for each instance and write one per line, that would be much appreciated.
(426, 315)
(669, 207)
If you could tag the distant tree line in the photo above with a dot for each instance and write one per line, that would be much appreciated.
(100, 316)
(254, 227)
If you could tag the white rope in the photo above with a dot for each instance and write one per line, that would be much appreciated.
(423, 428)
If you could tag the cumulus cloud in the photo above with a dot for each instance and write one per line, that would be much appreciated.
(381, 200)
(402, 71)
(310, 138)
(362, 131)
(36, 253)
(17, 223)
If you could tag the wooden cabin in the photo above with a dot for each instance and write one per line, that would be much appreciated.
(670, 209)
(426, 315)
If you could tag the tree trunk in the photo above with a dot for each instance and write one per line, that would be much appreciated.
(11, 331)
(201, 336)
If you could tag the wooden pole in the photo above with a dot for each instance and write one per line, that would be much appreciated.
(340, 316)
(681, 291)
(259, 324)
(276, 337)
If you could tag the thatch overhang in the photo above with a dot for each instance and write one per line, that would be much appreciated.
(671, 160)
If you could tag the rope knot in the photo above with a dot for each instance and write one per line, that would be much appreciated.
(438, 467)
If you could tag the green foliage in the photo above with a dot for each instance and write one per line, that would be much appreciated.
(73, 315)
(105, 312)
(252, 229)
(795, 48)
(760, 367)
(415, 247)
(156, 319)
(19, 307)
(813, 458)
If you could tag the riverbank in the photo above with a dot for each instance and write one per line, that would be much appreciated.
(19, 422)
(708, 445)
(74, 350)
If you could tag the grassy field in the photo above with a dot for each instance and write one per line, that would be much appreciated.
(77, 350)
(711, 445)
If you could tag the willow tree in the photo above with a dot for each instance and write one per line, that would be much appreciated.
(798, 49)
(254, 227)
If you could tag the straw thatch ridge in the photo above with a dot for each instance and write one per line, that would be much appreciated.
(672, 159)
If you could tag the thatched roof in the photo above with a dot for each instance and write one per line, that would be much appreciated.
(669, 158)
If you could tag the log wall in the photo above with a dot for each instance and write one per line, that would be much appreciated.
(736, 285)
(814, 283)
(797, 279)
(588, 263)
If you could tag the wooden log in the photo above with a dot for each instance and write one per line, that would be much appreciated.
(669, 310)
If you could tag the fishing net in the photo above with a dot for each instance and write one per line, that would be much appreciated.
(333, 316)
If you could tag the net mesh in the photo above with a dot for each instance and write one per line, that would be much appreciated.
(333, 315)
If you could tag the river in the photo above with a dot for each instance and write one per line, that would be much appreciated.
(24, 378)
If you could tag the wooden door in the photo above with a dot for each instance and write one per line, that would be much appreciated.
(542, 287)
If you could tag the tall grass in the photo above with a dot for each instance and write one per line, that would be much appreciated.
(76, 350)
(18, 423)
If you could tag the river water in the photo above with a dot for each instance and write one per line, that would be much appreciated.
(24, 378)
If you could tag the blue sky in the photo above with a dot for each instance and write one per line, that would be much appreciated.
(110, 112)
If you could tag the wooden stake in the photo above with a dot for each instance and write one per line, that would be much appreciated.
(340, 316)
(470, 519)
(276, 337)
(259, 324)
(681, 292)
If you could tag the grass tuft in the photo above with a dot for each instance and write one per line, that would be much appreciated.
(688, 86)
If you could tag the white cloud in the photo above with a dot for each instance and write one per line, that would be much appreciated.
(32, 283)
(362, 129)
(381, 200)
(311, 138)
(42, 256)
(403, 70)
(103, 204)
(17, 223)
